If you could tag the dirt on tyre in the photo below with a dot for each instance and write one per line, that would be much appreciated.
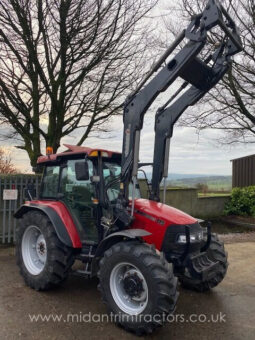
(216, 252)
(138, 286)
(44, 261)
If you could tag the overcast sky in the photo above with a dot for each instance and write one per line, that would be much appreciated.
(190, 153)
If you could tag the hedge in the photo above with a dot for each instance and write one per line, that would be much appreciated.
(242, 202)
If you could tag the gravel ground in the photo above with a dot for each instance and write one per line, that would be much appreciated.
(238, 237)
(234, 299)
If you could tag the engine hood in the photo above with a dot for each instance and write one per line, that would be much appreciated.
(163, 212)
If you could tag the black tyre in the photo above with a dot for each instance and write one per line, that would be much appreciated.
(137, 285)
(216, 252)
(43, 260)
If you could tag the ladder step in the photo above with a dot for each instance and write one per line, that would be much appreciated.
(86, 256)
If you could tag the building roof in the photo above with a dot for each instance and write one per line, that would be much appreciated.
(249, 156)
(74, 150)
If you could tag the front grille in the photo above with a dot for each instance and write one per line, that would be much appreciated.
(170, 246)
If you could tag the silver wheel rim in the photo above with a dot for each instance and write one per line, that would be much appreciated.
(34, 250)
(132, 305)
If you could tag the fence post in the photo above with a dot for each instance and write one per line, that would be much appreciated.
(9, 213)
(4, 211)
(15, 208)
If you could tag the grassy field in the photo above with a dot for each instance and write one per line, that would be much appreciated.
(214, 194)
(214, 183)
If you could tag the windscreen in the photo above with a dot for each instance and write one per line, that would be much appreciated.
(111, 172)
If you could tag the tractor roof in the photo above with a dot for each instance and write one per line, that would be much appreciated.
(75, 150)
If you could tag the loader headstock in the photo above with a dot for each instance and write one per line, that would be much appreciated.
(215, 15)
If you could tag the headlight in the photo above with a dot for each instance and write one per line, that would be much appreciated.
(193, 238)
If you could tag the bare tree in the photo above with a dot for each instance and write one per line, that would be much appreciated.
(6, 165)
(231, 105)
(67, 65)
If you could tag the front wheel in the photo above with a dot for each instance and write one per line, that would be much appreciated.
(137, 285)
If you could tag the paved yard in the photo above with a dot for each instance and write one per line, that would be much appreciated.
(234, 300)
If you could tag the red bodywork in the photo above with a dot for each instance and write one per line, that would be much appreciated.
(156, 217)
(65, 216)
(74, 150)
(149, 215)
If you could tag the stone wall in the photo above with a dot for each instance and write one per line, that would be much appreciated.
(187, 200)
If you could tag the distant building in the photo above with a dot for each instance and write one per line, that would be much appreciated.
(243, 171)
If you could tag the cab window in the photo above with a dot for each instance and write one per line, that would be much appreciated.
(112, 173)
(69, 183)
(50, 182)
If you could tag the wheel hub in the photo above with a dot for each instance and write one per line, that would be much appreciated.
(129, 288)
(133, 285)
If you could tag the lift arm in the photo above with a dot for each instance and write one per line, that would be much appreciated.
(186, 65)
(166, 117)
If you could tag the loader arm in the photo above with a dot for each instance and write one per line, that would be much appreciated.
(166, 118)
(185, 64)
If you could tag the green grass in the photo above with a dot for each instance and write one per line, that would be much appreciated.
(214, 183)
(214, 194)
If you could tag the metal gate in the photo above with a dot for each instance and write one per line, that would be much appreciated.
(8, 206)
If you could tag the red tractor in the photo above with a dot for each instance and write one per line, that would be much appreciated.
(89, 207)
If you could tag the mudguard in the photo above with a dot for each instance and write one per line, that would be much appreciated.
(59, 217)
(119, 236)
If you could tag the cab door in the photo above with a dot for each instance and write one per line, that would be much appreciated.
(78, 196)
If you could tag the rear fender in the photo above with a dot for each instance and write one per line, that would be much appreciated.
(69, 237)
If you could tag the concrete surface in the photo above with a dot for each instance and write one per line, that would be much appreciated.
(235, 298)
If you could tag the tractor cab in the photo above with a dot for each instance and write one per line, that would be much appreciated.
(87, 182)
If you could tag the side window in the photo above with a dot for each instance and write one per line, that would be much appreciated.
(71, 186)
(130, 191)
(111, 171)
(111, 174)
(50, 182)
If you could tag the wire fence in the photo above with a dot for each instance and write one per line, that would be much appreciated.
(17, 185)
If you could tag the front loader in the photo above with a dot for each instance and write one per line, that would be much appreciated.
(89, 206)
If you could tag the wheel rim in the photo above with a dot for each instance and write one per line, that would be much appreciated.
(129, 288)
(34, 250)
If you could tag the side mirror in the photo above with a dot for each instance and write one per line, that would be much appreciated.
(82, 171)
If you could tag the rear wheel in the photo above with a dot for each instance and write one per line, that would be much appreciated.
(137, 285)
(44, 261)
(216, 252)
